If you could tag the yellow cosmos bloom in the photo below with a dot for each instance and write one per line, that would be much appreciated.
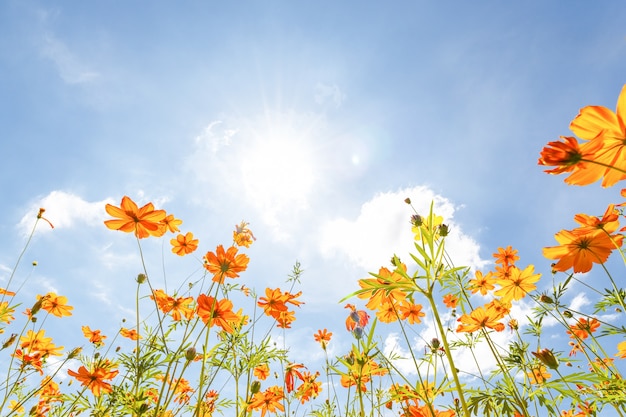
(518, 284)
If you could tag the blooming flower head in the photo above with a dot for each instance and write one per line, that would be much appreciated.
(217, 312)
(129, 333)
(482, 283)
(94, 336)
(262, 371)
(95, 380)
(506, 256)
(184, 244)
(621, 350)
(56, 305)
(144, 221)
(270, 400)
(480, 318)
(242, 236)
(581, 250)
(518, 284)
(583, 328)
(600, 125)
(538, 374)
(450, 300)
(224, 264)
(322, 337)
(570, 156)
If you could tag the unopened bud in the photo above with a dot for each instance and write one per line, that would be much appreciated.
(444, 230)
(358, 332)
(416, 220)
(545, 299)
(190, 354)
(255, 387)
(74, 353)
(547, 358)
(568, 314)
(9, 341)
(407, 200)
(141, 278)
(435, 343)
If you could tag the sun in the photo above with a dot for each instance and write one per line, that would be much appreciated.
(278, 170)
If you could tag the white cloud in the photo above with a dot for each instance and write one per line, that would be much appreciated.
(383, 229)
(71, 69)
(325, 93)
(63, 210)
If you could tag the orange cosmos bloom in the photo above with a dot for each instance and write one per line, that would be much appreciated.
(176, 307)
(56, 305)
(482, 283)
(225, 263)
(184, 244)
(170, 223)
(291, 373)
(94, 336)
(310, 388)
(506, 257)
(323, 337)
(95, 380)
(569, 156)
(580, 251)
(213, 312)
(538, 375)
(583, 328)
(269, 400)
(144, 221)
(479, 319)
(621, 350)
(450, 300)
(6, 312)
(411, 312)
(383, 289)
(262, 371)
(609, 221)
(602, 125)
(518, 284)
(242, 236)
(29, 359)
(357, 318)
(129, 333)
(6, 292)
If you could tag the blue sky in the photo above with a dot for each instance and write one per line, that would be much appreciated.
(311, 120)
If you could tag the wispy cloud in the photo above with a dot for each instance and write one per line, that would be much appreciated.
(64, 210)
(332, 94)
(69, 66)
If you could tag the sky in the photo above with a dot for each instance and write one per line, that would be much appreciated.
(313, 121)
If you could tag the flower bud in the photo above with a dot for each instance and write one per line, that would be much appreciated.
(74, 353)
(435, 343)
(444, 230)
(141, 278)
(357, 332)
(568, 314)
(255, 387)
(545, 299)
(407, 200)
(547, 358)
(34, 263)
(416, 220)
(9, 341)
(190, 354)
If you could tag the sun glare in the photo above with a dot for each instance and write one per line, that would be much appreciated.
(279, 171)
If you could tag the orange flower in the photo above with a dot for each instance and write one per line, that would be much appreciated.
(213, 312)
(94, 336)
(609, 221)
(450, 300)
(506, 257)
(357, 318)
(6, 292)
(479, 319)
(37, 342)
(56, 305)
(411, 312)
(569, 156)
(323, 337)
(129, 333)
(275, 305)
(95, 380)
(383, 289)
(269, 400)
(518, 284)
(601, 125)
(177, 307)
(262, 371)
(538, 375)
(170, 223)
(583, 328)
(242, 236)
(225, 263)
(144, 221)
(621, 350)
(291, 373)
(310, 388)
(6, 312)
(580, 251)
(482, 283)
(184, 244)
